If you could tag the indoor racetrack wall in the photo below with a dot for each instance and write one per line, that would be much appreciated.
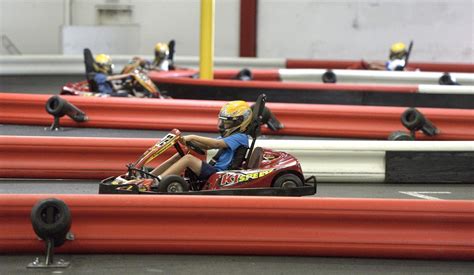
(442, 30)
(323, 29)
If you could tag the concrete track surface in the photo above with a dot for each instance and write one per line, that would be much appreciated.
(229, 265)
(325, 190)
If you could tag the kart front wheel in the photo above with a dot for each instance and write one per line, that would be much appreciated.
(173, 184)
(288, 181)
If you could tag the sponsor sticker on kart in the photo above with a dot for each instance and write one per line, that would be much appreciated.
(165, 143)
(232, 178)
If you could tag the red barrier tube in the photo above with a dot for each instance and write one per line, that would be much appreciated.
(250, 225)
(200, 115)
(356, 64)
(72, 157)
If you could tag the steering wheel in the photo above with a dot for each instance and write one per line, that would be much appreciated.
(195, 148)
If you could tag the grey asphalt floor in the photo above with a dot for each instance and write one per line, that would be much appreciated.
(37, 84)
(229, 265)
(29, 130)
(325, 190)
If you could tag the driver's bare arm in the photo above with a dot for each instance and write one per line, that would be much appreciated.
(376, 66)
(118, 76)
(202, 146)
(209, 143)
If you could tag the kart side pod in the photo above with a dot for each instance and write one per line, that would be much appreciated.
(414, 121)
(59, 107)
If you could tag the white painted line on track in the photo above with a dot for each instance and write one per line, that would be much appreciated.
(419, 194)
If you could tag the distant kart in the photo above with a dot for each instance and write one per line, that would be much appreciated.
(138, 85)
(255, 172)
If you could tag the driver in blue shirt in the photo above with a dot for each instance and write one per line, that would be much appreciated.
(234, 118)
(103, 75)
(396, 62)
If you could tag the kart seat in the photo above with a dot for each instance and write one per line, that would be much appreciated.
(239, 157)
(90, 73)
(92, 83)
(255, 158)
(254, 161)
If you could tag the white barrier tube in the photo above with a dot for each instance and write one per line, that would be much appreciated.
(352, 160)
(74, 64)
(375, 77)
(445, 89)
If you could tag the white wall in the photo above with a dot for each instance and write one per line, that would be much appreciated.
(33, 26)
(339, 29)
(442, 30)
(38, 29)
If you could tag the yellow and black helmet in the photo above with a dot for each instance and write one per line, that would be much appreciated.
(161, 51)
(234, 116)
(103, 64)
(398, 51)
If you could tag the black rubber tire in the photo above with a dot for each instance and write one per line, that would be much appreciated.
(287, 180)
(446, 79)
(58, 241)
(329, 77)
(400, 135)
(58, 227)
(244, 75)
(412, 119)
(173, 184)
(55, 106)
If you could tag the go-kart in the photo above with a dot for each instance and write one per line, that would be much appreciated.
(138, 85)
(254, 171)
(142, 64)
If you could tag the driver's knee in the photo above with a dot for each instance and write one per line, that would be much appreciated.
(191, 162)
(189, 158)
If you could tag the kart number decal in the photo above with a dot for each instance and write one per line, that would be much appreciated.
(164, 146)
(235, 178)
(166, 139)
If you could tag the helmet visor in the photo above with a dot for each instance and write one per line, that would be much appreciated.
(228, 124)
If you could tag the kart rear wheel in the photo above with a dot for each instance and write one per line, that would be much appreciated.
(173, 184)
(288, 181)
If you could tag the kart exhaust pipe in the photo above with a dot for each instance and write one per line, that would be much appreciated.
(269, 119)
(414, 121)
(272, 122)
(59, 107)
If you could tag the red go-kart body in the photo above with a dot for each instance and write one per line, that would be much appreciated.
(273, 164)
(270, 173)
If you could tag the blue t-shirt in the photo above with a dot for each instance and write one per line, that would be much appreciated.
(103, 85)
(233, 142)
